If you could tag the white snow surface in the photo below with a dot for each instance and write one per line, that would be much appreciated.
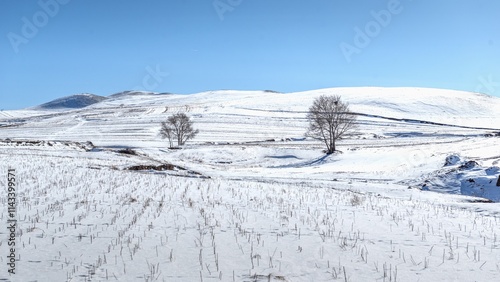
(252, 199)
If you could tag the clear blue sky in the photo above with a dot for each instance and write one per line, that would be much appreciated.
(66, 47)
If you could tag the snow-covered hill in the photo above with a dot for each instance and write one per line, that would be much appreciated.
(132, 93)
(409, 130)
(72, 102)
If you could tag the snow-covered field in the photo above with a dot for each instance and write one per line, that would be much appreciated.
(251, 199)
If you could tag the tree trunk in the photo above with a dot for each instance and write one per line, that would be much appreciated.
(331, 149)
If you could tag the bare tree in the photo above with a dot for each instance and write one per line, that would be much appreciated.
(166, 131)
(178, 127)
(329, 119)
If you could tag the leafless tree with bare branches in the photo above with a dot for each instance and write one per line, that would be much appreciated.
(178, 127)
(329, 119)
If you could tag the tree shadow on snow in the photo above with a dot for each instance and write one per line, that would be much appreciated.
(318, 161)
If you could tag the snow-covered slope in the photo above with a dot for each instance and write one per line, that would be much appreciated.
(436, 105)
(252, 199)
(132, 118)
(132, 93)
(72, 102)
(403, 133)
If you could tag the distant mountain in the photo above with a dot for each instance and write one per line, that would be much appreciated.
(73, 102)
(134, 93)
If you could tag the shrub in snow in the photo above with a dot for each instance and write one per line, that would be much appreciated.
(153, 167)
(425, 186)
(492, 170)
(480, 187)
(452, 160)
(127, 151)
(469, 165)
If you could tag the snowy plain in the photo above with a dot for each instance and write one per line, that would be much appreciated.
(411, 197)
